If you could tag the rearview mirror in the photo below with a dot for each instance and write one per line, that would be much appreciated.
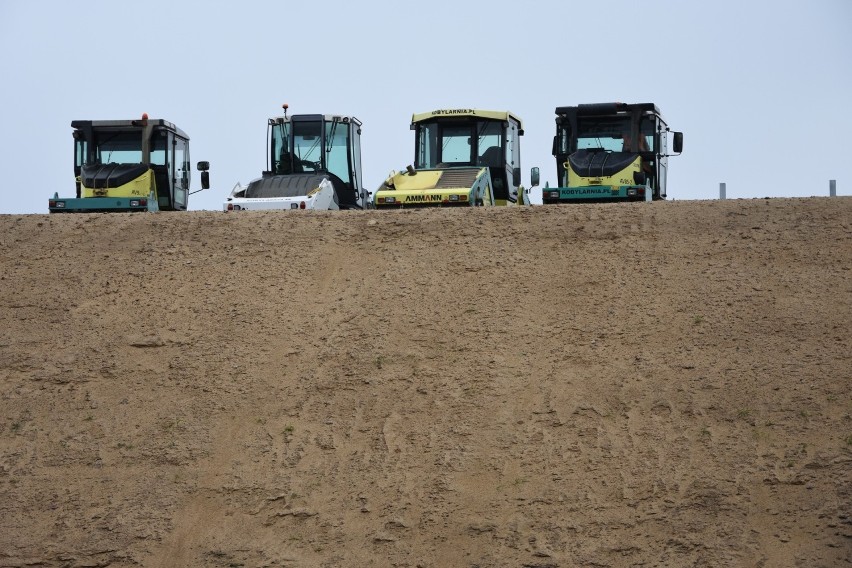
(534, 177)
(205, 175)
(677, 142)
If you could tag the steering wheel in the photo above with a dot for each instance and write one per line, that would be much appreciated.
(316, 166)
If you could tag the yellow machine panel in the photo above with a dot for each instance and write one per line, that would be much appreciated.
(139, 187)
(423, 180)
(459, 186)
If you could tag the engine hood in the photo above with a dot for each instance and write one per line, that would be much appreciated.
(292, 185)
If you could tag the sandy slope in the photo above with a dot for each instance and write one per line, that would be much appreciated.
(611, 385)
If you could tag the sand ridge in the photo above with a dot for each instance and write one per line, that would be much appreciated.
(649, 384)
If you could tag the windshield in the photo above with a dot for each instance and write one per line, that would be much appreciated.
(459, 144)
(307, 146)
(612, 134)
(117, 147)
(296, 147)
(308, 152)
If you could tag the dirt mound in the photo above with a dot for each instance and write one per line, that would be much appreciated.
(657, 384)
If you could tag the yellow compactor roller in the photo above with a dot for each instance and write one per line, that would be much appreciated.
(462, 157)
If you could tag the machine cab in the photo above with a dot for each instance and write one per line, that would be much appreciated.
(129, 158)
(621, 130)
(316, 143)
(472, 138)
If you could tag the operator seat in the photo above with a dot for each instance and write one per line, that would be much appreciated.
(285, 166)
(491, 157)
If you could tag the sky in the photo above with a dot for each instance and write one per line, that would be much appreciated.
(760, 89)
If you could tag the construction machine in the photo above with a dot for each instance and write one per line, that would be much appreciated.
(313, 162)
(129, 165)
(462, 157)
(610, 152)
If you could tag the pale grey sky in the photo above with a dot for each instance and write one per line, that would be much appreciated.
(761, 89)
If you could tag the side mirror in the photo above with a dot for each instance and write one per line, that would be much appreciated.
(205, 175)
(677, 143)
(534, 177)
